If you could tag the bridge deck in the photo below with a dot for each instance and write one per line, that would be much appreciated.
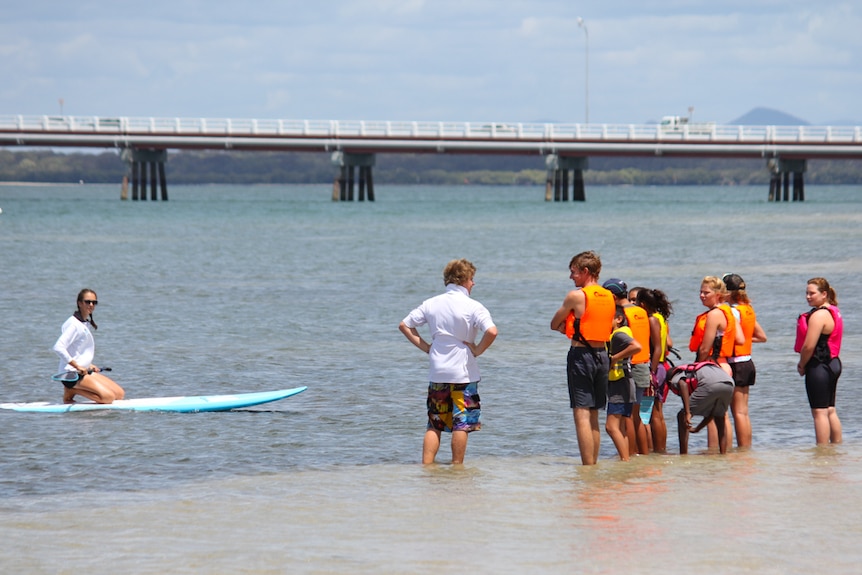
(844, 142)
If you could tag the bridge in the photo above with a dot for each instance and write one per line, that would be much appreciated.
(354, 144)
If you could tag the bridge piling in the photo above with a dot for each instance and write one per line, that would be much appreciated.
(370, 181)
(133, 166)
(579, 193)
(347, 163)
(780, 178)
(558, 174)
(139, 160)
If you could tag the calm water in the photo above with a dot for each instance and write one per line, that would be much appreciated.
(230, 289)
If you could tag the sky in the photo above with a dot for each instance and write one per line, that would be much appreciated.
(633, 61)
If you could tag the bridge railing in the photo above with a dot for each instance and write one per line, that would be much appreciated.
(428, 130)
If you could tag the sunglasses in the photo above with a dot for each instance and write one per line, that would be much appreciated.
(91, 301)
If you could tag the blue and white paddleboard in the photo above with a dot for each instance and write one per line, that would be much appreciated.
(189, 404)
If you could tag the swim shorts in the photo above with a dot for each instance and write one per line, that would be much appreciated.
(624, 409)
(821, 382)
(587, 375)
(640, 373)
(454, 407)
(743, 373)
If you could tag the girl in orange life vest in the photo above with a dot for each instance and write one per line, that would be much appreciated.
(660, 309)
(713, 337)
(715, 330)
(741, 363)
(819, 343)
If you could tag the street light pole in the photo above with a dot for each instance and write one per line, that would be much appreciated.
(582, 24)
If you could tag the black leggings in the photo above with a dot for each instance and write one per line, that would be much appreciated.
(821, 381)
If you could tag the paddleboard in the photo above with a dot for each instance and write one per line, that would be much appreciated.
(181, 404)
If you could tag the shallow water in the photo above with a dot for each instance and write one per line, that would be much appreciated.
(226, 289)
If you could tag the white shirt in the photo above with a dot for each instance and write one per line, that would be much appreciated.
(75, 342)
(453, 318)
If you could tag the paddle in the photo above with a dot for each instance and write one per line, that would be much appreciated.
(70, 376)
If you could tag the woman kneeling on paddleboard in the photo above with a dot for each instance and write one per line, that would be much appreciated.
(76, 348)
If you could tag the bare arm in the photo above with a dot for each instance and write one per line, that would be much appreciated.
(739, 337)
(487, 339)
(573, 302)
(714, 320)
(759, 336)
(628, 351)
(655, 344)
(413, 337)
(683, 394)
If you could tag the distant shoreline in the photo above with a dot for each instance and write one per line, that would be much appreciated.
(39, 184)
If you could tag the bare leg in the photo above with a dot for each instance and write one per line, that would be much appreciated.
(630, 431)
(712, 439)
(824, 430)
(683, 432)
(430, 446)
(834, 426)
(640, 431)
(589, 435)
(109, 384)
(459, 446)
(615, 426)
(722, 427)
(94, 388)
(741, 421)
(659, 428)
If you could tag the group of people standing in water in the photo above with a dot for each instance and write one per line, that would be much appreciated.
(618, 360)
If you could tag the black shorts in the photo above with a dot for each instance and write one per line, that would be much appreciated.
(821, 382)
(70, 383)
(587, 375)
(743, 373)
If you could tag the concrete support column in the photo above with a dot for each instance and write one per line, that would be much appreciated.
(798, 187)
(558, 184)
(779, 181)
(136, 180)
(163, 181)
(348, 162)
(153, 183)
(370, 181)
(578, 193)
(142, 169)
(558, 172)
(342, 184)
(138, 159)
(351, 171)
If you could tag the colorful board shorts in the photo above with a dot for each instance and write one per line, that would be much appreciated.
(454, 407)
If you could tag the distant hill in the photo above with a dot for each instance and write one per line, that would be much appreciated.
(767, 117)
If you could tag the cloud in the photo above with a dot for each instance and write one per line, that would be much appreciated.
(510, 60)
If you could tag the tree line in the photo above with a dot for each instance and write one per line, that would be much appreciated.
(234, 167)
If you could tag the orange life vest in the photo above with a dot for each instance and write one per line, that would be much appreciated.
(597, 321)
(721, 348)
(638, 319)
(747, 319)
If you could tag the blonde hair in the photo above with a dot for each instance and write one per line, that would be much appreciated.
(715, 284)
(458, 272)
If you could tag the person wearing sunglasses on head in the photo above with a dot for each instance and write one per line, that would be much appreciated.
(77, 348)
